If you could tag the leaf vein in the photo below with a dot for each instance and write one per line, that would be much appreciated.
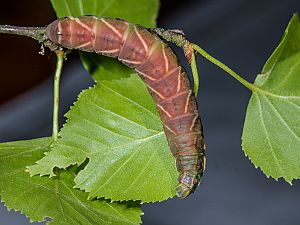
(81, 7)
(133, 102)
(124, 118)
(141, 172)
(75, 198)
(267, 135)
(68, 8)
(281, 118)
(106, 7)
(103, 128)
(121, 166)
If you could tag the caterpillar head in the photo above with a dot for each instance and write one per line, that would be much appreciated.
(52, 31)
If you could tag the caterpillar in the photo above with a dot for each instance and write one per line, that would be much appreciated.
(157, 65)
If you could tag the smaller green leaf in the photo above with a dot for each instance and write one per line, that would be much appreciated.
(40, 197)
(271, 135)
(116, 126)
(104, 68)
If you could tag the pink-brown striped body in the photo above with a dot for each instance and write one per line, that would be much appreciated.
(166, 80)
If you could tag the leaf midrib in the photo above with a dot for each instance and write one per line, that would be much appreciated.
(261, 91)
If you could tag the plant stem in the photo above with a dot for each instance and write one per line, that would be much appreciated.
(37, 33)
(224, 67)
(195, 73)
(60, 59)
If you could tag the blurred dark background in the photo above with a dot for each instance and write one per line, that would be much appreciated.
(241, 33)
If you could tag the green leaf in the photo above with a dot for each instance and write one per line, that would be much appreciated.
(271, 135)
(116, 126)
(143, 12)
(40, 197)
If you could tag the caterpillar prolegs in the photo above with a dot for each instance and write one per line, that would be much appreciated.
(166, 81)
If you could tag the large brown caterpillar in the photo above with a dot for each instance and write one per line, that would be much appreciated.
(166, 80)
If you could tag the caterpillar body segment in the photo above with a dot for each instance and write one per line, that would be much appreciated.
(166, 81)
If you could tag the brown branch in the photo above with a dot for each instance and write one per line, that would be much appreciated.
(37, 33)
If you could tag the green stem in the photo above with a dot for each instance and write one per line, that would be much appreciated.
(224, 67)
(195, 73)
(60, 59)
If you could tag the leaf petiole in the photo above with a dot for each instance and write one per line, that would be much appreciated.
(213, 60)
(59, 64)
(178, 38)
(195, 73)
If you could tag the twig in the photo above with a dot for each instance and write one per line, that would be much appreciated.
(37, 33)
